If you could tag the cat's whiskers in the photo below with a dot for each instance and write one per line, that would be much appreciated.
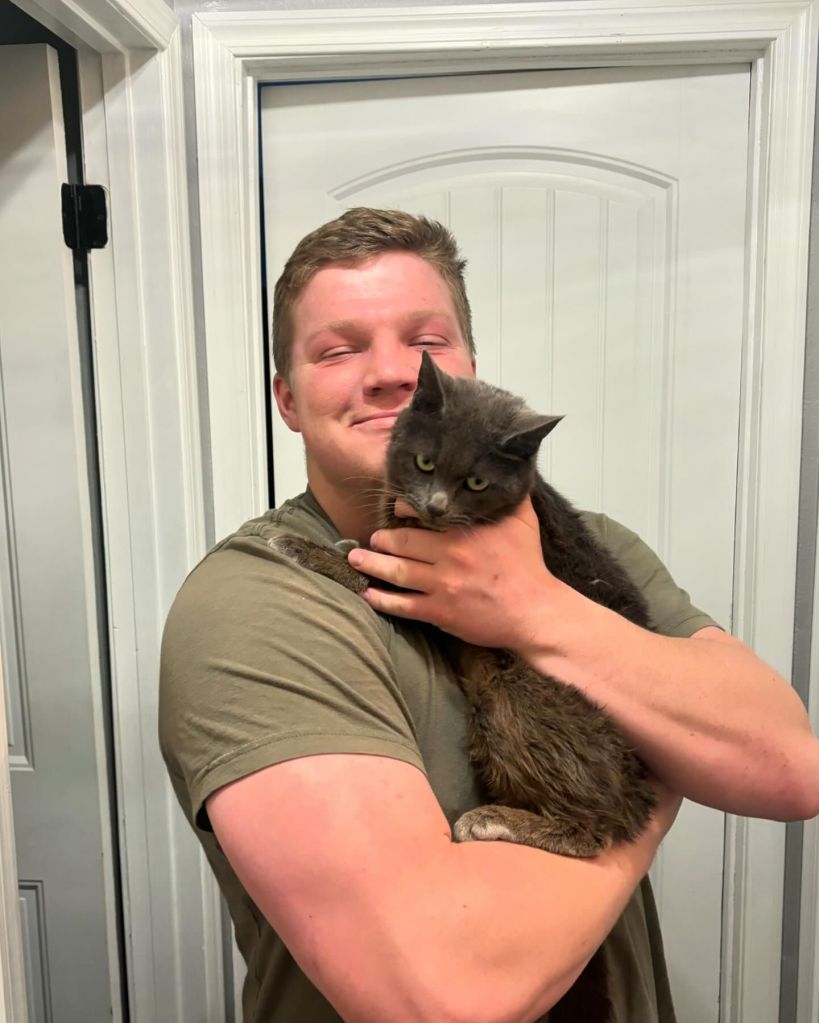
(375, 498)
(372, 495)
(463, 522)
(370, 498)
(378, 483)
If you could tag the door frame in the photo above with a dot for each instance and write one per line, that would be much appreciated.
(808, 970)
(130, 76)
(235, 51)
(12, 967)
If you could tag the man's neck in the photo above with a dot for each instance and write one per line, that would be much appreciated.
(354, 513)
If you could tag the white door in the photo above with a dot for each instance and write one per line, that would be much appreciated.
(602, 213)
(48, 612)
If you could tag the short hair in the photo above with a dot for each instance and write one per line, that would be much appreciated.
(357, 235)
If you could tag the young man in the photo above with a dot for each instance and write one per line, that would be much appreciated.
(318, 747)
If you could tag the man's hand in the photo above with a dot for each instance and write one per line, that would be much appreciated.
(486, 585)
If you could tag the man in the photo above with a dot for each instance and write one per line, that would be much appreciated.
(319, 748)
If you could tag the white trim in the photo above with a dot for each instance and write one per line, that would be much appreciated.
(106, 25)
(231, 277)
(807, 1005)
(234, 51)
(12, 968)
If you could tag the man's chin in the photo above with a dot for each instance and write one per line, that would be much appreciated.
(367, 476)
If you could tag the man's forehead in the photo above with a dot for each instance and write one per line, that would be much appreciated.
(382, 266)
(401, 284)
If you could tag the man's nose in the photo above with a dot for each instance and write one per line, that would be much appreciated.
(391, 367)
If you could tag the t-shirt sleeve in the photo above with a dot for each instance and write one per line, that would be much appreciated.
(669, 606)
(264, 661)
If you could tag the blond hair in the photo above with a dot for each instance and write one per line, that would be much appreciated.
(358, 235)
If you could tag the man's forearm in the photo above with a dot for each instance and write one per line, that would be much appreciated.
(709, 717)
(351, 859)
(543, 916)
(486, 932)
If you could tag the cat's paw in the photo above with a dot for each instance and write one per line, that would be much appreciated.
(483, 824)
(493, 823)
(296, 548)
(327, 561)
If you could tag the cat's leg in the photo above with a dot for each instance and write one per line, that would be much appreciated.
(327, 561)
(493, 823)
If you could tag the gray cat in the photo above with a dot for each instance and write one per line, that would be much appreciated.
(463, 453)
(555, 771)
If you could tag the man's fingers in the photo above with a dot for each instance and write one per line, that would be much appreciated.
(419, 544)
(406, 573)
(399, 605)
(403, 510)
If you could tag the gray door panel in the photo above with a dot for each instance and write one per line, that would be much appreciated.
(48, 589)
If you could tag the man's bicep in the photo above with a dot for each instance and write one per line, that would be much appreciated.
(337, 852)
(264, 663)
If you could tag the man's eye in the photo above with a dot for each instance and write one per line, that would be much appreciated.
(424, 464)
(429, 341)
(334, 353)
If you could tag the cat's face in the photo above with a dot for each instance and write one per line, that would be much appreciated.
(463, 452)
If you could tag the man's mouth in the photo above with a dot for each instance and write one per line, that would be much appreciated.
(379, 419)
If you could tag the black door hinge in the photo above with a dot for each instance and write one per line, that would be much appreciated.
(85, 217)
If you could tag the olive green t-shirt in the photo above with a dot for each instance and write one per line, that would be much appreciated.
(264, 661)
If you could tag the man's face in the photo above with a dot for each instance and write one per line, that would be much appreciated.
(357, 341)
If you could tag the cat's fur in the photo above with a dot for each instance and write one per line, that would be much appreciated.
(556, 772)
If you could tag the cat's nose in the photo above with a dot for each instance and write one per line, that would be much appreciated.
(438, 503)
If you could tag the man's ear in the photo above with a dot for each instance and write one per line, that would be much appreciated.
(283, 393)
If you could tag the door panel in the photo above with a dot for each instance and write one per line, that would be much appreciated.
(48, 599)
(602, 214)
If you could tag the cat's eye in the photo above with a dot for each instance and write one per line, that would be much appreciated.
(424, 464)
(476, 483)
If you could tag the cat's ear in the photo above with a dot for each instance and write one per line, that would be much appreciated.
(429, 393)
(525, 440)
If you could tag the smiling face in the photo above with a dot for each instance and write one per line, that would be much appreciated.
(358, 335)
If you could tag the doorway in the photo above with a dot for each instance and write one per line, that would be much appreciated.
(52, 579)
(595, 208)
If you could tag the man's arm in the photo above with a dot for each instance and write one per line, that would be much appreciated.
(706, 714)
(351, 860)
(711, 719)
